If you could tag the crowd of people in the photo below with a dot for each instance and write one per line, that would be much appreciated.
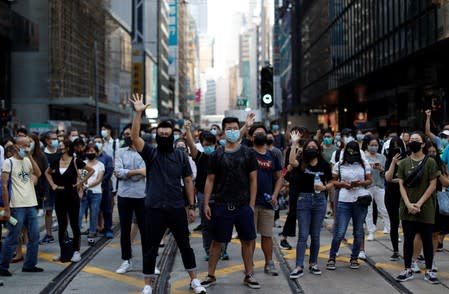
(236, 176)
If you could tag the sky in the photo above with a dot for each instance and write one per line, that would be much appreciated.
(220, 20)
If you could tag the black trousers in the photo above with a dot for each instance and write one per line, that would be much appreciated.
(410, 230)
(392, 199)
(126, 208)
(157, 221)
(67, 207)
(289, 229)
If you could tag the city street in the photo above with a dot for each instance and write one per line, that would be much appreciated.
(98, 275)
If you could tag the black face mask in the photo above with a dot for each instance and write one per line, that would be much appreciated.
(165, 144)
(352, 158)
(396, 151)
(91, 156)
(128, 141)
(269, 142)
(310, 153)
(260, 140)
(415, 146)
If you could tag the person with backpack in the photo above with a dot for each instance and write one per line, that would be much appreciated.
(232, 184)
(164, 200)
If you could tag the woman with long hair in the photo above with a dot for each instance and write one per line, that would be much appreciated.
(315, 178)
(417, 183)
(352, 175)
(396, 152)
(62, 176)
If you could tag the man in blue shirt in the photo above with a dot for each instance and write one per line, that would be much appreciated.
(164, 201)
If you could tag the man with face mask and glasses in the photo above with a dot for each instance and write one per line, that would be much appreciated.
(164, 202)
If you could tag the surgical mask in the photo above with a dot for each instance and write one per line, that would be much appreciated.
(99, 146)
(373, 149)
(348, 139)
(275, 127)
(232, 136)
(74, 138)
(327, 141)
(360, 137)
(175, 137)
(32, 144)
(222, 142)
(104, 133)
(91, 156)
(54, 143)
(208, 149)
(22, 153)
(153, 135)
(213, 132)
(337, 138)
(154, 145)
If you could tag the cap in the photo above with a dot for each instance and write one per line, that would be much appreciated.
(445, 132)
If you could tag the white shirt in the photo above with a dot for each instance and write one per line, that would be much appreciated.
(350, 173)
(98, 167)
(23, 193)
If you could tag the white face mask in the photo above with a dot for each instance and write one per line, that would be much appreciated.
(348, 139)
(104, 133)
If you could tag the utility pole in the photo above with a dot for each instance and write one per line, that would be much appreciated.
(97, 90)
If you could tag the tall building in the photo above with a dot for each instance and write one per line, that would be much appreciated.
(5, 57)
(198, 10)
(62, 64)
(358, 55)
(211, 97)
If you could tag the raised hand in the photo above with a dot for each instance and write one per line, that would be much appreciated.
(428, 112)
(137, 102)
(250, 118)
(295, 136)
(187, 124)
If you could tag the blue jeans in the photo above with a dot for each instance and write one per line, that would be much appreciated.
(91, 200)
(25, 216)
(311, 209)
(346, 211)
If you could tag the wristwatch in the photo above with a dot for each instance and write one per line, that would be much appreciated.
(192, 206)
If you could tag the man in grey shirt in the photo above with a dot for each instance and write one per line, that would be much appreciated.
(130, 170)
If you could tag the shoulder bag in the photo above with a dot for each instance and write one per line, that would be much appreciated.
(443, 202)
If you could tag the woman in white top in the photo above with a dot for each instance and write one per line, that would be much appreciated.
(92, 190)
(352, 175)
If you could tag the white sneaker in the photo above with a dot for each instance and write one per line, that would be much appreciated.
(386, 231)
(370, 237)
(147, 290)
(157, 271)
(415, 267)
(40, 213)
(362, 255)
(126, 266)
(195, 285)
(56, 258)
(76, 256)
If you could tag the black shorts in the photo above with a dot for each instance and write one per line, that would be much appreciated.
(223, 221)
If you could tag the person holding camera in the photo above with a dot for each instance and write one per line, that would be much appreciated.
(417, 183)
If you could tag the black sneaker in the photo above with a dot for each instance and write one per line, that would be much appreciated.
(405, 276)
(32, 270)
(314, 269)
(354, 264)
(251, 282)
(421, 258)
(47, 240)
(394, 257)
(198, 228)
(285, 245)
(209, 281)
(331, 265)
(297, 273)
(5, 273)
(440, 247)
(431, 277)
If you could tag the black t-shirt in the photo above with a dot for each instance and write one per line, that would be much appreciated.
(69, 177)
(201, 161)
(231, 170)
(51, 157)
(307, 177)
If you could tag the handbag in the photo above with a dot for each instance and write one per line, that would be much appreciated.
(364, 200)
(67, 249)
(416, 174)
(443, 202)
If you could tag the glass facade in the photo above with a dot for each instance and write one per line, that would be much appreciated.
(354, 38)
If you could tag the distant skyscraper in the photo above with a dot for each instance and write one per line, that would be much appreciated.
(198, 9)
(211, 97)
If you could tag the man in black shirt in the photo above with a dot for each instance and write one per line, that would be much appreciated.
(232, 177)
(164, 202)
